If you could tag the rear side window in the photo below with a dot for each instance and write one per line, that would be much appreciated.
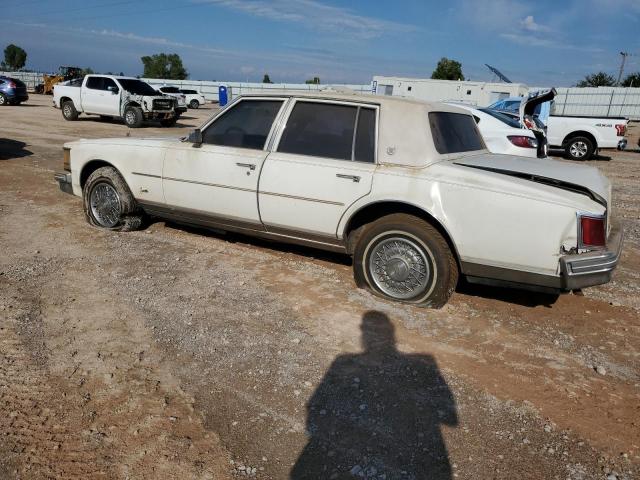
(365, 145)
(245, 125)
(454, 132)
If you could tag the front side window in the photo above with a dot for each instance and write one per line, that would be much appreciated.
(169, 90)
(454, 132)
(107, 82)
(246, 125)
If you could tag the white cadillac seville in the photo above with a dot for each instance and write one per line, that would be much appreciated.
(407, 188)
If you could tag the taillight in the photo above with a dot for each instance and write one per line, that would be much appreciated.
(12, 84)
(621, 129)
(593, 231)
(522, 141)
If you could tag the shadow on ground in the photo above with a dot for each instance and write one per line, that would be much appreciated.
(13, 149)
(378, 414)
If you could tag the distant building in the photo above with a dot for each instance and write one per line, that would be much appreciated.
(480, 94)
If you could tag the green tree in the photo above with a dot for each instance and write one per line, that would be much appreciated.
(266, 78)
(14, 57)
(313, 81)
(632, 80)
(163, 65)
(448, 70)
(600, 79)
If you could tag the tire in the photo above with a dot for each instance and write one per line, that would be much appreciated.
(69, 111)
(108, 202)
(3, 100)
(133, 117)
(195, 104)
(579, 148)
(169, 122)
(412, 244)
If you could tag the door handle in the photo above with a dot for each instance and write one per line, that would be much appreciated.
(250, 166)
(354, 178)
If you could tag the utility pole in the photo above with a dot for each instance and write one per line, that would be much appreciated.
(624, 59)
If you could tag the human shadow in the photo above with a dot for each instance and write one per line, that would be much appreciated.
(13, 149)
(377, 414)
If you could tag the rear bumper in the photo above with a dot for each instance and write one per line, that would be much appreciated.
(593, 268)
(64, 182)
(576, 271)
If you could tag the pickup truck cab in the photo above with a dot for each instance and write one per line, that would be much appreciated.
(127, 98)
(406, 187)
(580, 137)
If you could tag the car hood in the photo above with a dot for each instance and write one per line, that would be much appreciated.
(580, 179)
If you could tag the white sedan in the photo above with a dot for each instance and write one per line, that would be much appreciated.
(503, 134)
(407, 188)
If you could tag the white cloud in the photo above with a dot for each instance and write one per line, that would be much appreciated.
(530, 25)
(316, 15)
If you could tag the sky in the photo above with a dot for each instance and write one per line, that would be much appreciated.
(541, 43)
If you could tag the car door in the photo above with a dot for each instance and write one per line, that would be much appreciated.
(323, 162)
(91, 95)
(101, 96)
(219, 180)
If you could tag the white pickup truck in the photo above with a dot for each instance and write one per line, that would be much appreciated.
(580, 137)
(116, 97)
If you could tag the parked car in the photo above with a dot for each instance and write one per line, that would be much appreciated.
(181, 107)
(579, 136)
(504, 134)
(12, 91)
(194, 98)
(407, 188)
(116, 97)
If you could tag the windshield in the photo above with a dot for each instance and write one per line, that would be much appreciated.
(137, 87)
(189, 92)
(512, 122)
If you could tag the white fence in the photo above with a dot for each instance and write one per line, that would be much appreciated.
(31, 79)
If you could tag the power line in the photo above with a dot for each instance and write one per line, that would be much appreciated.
(68, 12)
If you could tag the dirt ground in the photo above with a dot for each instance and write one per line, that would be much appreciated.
(181, 353)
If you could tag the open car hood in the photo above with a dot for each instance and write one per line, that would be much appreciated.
(529, 103)
(575, 178)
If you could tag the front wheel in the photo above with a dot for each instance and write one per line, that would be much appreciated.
(133, 117)
(69, 111)
(404, 258)
(579, 148)
(108, 202)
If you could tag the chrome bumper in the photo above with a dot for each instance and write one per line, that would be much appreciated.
(593, 268)
(64, 181)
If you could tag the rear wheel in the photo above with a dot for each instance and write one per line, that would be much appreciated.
(133, 117)
(404, 258)
(579, 148)
(194, 104)
(69, 111)
(108, 202)
(3, 100)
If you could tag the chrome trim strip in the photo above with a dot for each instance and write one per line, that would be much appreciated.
(146, 175)
(306, 199)
(206, 184)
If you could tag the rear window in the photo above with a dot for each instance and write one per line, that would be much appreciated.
(454, 132)
(512, 122)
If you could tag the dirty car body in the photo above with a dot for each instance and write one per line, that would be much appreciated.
(406, 187)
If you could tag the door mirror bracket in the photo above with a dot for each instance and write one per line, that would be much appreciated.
(195, 137)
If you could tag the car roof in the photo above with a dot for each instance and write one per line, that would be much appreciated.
(404, 132)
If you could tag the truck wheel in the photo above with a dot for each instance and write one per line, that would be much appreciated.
(133, 117)
(3, 100)
(108, 202)
(579, 148)
(404, 258)
(69, 111)
(169, 122)
(195, 104)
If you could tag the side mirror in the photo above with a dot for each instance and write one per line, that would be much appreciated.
(195, 137)
(112, 89)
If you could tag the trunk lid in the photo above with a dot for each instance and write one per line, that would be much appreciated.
(580, 179)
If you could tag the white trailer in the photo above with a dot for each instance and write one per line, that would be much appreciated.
(477, 94)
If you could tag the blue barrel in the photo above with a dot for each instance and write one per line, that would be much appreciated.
(223, 98)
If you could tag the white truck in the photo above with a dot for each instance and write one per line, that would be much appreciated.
(580, 137)
(110, 96)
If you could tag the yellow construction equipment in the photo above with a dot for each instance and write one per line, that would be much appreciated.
(48, 81)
